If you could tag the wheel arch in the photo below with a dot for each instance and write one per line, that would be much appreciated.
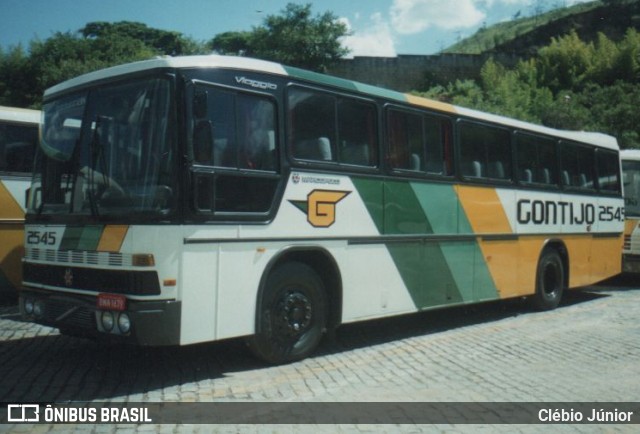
(323, 263)
(559, 246)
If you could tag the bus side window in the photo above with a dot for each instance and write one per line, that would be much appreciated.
(312, 118)
(329, 128)
(234, 150)
(17, 147)
(357, 132)
(203, 142)
(19, 157)
(406, 138)
(438, 145)
(608, 171)
(485, 151)
(256, 131)
(536, 159)
(577, 166)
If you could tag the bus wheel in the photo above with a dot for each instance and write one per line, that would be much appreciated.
(292, 315)
(549, 281)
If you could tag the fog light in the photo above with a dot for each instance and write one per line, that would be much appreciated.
(124, 323)
(38, 308)
(28, 306)
(107, 321)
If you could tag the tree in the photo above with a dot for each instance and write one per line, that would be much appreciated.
(614, 110)
(16, 84)
(65, 55)
(163, 41)
(294, 38)
(23, 78)
(564, 63)
(232, 43)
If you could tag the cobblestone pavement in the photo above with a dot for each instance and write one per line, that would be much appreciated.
(586, 350)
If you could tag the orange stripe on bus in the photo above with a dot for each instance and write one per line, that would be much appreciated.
(429, 103)
(112, 238)
(629, 226)
(9, 207)
(486, 215)
(484, 210)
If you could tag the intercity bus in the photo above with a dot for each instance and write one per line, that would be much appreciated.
(191, 199)
(18, 139)
(631, 180)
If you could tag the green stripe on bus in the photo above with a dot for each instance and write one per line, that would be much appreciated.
(320, 78)
(371, 193)
(445, 213)
(434, 273)
(344, 84)
(484, 287)
(81, 238)
(422, 266)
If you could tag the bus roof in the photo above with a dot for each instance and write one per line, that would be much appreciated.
(630, 154)
(249, 64)
(19, 115)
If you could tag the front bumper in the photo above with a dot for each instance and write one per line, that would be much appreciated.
(152, 322)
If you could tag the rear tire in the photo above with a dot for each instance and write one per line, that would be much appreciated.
(291, 317)
(550, 280)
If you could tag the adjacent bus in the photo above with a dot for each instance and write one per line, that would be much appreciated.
(631, 179)
(18, 139)
(191, 199)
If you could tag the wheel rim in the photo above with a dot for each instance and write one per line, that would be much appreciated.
(294, 313)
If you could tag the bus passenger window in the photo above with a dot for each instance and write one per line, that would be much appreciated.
(577, 166)
(608, 171)
(17, 146)
(485, 152)
(234, 149)
(406, 139)
(438, 146)
(256, 126)
(536, 159)
(203, 143)
(357, 131)
(312, 117)
(330, 128)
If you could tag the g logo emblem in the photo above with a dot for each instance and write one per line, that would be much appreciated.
(320, 206)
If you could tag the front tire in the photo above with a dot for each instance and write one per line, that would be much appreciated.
(291, 317)
(550, 281)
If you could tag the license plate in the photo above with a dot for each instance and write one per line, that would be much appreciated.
(112, 302)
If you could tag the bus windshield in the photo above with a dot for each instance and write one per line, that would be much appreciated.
(631, 171)
(107, 152)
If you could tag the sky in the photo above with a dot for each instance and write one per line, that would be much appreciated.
(378, 27)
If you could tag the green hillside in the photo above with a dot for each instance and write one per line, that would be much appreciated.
(579, 69)
(524, 36)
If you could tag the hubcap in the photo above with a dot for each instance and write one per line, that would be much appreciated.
(295, 312)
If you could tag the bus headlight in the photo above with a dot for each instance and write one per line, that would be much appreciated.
(124, 323)
(28, 306)
(107, 321)
(38, 308)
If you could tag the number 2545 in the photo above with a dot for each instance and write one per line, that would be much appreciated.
(46, 238)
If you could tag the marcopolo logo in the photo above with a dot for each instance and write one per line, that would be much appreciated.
(320, 206)
(264, 85)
